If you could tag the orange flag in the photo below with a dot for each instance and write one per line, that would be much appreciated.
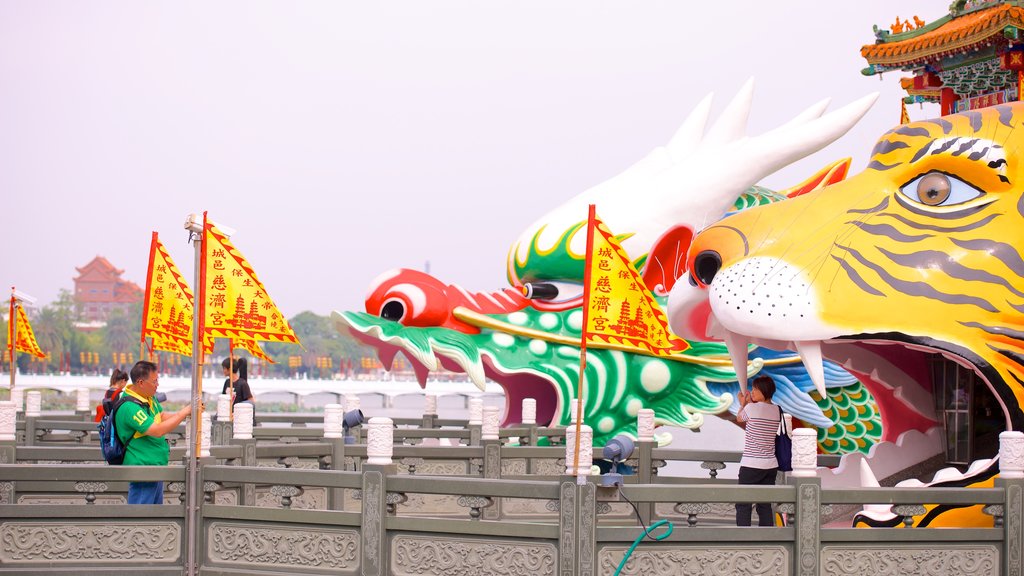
(252, 347)
(619, 312)
(25, 341)
(904, 117)
(168, 307)
(234, 302)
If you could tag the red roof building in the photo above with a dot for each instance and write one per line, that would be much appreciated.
(971, 58)
(100, 289)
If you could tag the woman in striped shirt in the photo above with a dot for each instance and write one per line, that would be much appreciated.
(760, 420)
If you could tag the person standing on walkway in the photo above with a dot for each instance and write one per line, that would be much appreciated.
(760, 420)
(141, 425)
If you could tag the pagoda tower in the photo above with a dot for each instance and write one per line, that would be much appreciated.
(970, 58)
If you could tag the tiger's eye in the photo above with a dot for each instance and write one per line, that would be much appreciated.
(933, 189)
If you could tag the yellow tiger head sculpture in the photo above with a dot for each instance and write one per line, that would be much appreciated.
(920, 254)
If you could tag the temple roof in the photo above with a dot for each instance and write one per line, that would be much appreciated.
(944, 36)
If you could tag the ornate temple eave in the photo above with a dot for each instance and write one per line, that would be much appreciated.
(958, 35)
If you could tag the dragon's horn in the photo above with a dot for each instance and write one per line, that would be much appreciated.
(732, 124)
(689, 135)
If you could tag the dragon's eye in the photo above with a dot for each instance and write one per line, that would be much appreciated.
(939, 189)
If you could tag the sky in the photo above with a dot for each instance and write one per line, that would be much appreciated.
(343, 139)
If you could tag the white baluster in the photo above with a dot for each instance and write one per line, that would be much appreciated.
(380, 441)
(204, 446)
(645, 425)
(586, 450)
(476, 411)
(223, 407)
(241, 427)
(352, 402)
(33, 403)
(489, 431)
(805, 453)
(81, 399)
(1011, 454)
(18, 399)
(430, 404)
(8, 420)
(333, 425)
(529, 411)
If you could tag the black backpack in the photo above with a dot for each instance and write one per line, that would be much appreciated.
(113, 449)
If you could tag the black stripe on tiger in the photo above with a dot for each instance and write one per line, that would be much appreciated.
(944, 124)
(877, 207)
(998, 330)
(1005, 253)
(856, 278)
(925, 259)
(916, 288)
(886, 146)
(944, 229)
(888, 231)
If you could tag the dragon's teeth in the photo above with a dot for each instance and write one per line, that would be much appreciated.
(737, 345)
(810, 353)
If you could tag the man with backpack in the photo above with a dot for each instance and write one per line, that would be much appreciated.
(141, 425)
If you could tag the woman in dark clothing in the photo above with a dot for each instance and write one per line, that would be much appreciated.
(117, 383)
(237, 378)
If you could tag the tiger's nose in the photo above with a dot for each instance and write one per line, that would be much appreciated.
(706, 264)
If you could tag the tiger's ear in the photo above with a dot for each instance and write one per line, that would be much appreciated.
(830, 174)
(667, 260)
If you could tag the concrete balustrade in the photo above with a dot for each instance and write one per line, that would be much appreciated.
(430, 404)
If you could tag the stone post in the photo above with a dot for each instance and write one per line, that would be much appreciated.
(586, 450)
(352, 402)
(380, 441)
(221, 430)
(805, 453)
(18, 399)
(374, 542)
(807, 521)
(82, 405)
(8, 431)
(207, 434)
(489, 426)
(242, 436)
(529, 421)
(333, 414)
(645, 446)
(33, 409)
(429, 411)
(1011, 480)
(492, 456)
(476, 416)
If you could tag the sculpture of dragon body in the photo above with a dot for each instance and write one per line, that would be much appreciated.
(919, 257)
(531, 347)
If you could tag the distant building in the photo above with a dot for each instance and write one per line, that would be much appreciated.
(100, 289)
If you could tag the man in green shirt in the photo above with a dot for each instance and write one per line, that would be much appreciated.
(141, 426)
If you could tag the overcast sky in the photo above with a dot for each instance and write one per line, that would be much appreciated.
(342, 139)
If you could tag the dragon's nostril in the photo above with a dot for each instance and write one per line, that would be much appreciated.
(393, 310)
(706, 265)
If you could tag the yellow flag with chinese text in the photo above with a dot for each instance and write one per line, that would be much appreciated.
(234, 302)
(25, 341)
(168, 306)
(619, 312)
(252, 347)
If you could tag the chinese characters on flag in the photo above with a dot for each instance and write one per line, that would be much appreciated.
(234, 302)
(25, 341)
(168, 307)
(620, 311)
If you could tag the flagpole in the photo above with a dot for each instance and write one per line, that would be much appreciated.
(196, 231)
(231, 384)
(12, 339)
(583, 343)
